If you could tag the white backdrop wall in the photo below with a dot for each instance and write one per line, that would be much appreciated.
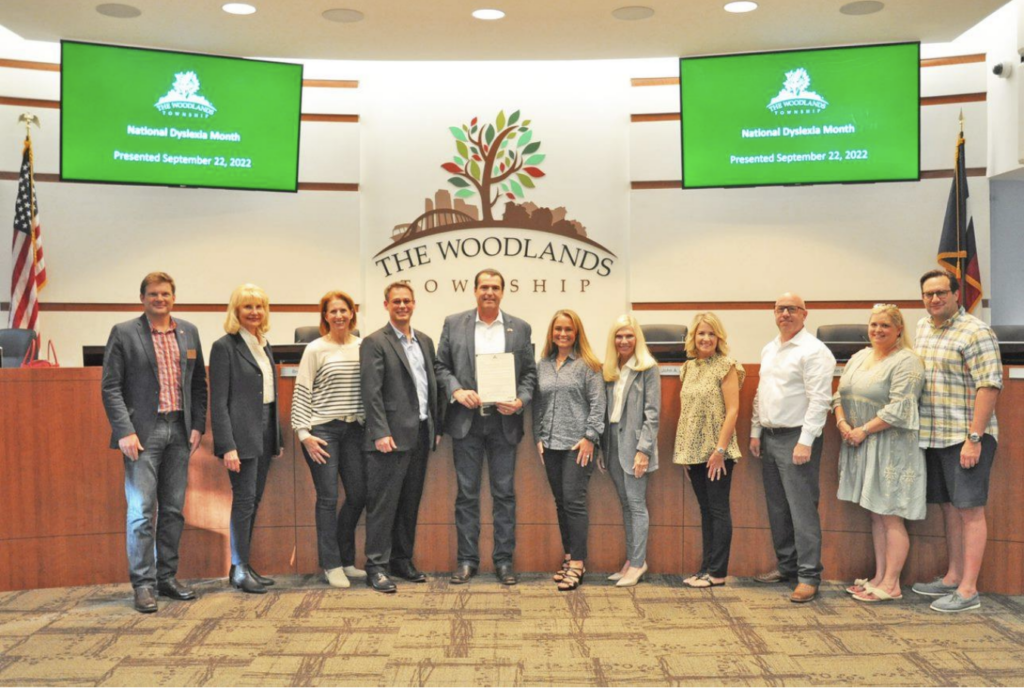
(845, 243)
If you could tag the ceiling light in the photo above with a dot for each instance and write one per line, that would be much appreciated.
(344, 16)
(740, 7)
(862, 7)
(118, 11)
(238, 8)
(634, 13)
(488, 15)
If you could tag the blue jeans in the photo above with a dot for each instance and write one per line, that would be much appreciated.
(485, 439)
(155, 486)
(336, 531)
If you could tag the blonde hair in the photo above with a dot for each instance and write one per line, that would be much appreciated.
(707, 318)
(644, 359)
(581, 347)
(896, 317)
(325, 301)
(246, 294)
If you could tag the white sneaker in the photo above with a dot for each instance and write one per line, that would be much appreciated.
(337, 578)
(353, 572)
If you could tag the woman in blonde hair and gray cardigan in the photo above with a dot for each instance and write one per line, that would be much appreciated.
(629, 445)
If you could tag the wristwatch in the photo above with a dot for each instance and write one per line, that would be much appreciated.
(974, 438)
(720, 450)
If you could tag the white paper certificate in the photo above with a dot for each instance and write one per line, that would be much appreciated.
(496, 377)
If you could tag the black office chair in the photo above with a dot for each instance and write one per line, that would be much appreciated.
(666, 342)
(311, 333)
(15, 342)
(1011, 343)
(844, 340)
(307, 334)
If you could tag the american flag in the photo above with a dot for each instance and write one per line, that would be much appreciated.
(29, 274)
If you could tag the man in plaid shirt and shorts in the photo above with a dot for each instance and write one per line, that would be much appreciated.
(963, 376)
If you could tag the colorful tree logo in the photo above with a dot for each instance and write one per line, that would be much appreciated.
(499, 159)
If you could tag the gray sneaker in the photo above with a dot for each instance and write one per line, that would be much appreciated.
(934, 589)
(955, 603)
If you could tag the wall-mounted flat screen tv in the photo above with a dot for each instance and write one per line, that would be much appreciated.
(825, 115)
(142, 116)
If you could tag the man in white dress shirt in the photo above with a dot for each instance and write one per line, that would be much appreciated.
(790, 406)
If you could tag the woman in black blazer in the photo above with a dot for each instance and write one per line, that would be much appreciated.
(243, 408)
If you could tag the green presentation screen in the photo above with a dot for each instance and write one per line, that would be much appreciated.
(829, 115)
(140, 116)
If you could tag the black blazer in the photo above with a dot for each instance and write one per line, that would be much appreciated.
(389, 390)
(131, 386)
(236, 399)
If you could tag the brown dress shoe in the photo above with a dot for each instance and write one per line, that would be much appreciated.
(804, 593)
(773, 576)
(145, 600)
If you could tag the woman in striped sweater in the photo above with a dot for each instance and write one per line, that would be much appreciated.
(327, 415)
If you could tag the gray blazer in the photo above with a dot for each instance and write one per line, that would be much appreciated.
(638, 425)
(236, 399)
(389, 390)
(131, 387)
(456, 369)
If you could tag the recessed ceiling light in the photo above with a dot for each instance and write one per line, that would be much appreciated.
(118, 11)
(862, 7)
(344, 16)
(488, 15)
(740, 7)
(238, 8)
(634, 13)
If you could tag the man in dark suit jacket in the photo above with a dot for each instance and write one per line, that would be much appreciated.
(154, 392)
(400, 396)
(478, 430)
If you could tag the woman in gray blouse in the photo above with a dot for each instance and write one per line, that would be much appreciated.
(568, 418)
(881, 466)
(629, 447)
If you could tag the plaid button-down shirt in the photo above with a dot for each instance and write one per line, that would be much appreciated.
(168, 367)
(960, 357)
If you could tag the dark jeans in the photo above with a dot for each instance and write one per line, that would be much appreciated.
(394, 485)
(336, 530)
(715, 517)
(569, 482)
(485, 438)
(247, 491)
(792, 494)
(155, 486)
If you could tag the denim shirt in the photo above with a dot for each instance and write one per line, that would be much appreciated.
(569, 404)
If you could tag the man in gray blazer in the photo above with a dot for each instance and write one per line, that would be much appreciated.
(401, 399)
(154, 392)
(478, 430)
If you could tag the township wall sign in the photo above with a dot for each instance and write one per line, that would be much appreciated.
(494, 167)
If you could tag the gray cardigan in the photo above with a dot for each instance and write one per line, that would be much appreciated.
(638, 425)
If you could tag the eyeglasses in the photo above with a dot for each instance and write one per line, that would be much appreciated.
(942, 293)
(779, 310)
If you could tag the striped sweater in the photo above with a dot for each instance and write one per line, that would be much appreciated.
(327, 386)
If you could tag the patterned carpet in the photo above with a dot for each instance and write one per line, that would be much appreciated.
(483, 634)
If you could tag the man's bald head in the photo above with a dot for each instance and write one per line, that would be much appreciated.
(790, 313)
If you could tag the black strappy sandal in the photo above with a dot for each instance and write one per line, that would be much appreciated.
(572, 579)
(559, 575)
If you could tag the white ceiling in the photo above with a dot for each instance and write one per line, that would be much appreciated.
(532, 29)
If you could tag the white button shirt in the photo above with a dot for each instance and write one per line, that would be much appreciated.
(619, 391)
(490, 339)
(263, 361)
(795, 387)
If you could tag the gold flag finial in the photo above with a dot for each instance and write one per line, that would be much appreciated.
(29, 119)
(961, 122)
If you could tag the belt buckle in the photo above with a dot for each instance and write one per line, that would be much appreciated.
(486, 410)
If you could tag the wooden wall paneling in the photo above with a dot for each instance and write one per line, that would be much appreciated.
(51, 419)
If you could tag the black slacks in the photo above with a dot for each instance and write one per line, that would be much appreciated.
(715, 517)
(569, 483)
(394, 485)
